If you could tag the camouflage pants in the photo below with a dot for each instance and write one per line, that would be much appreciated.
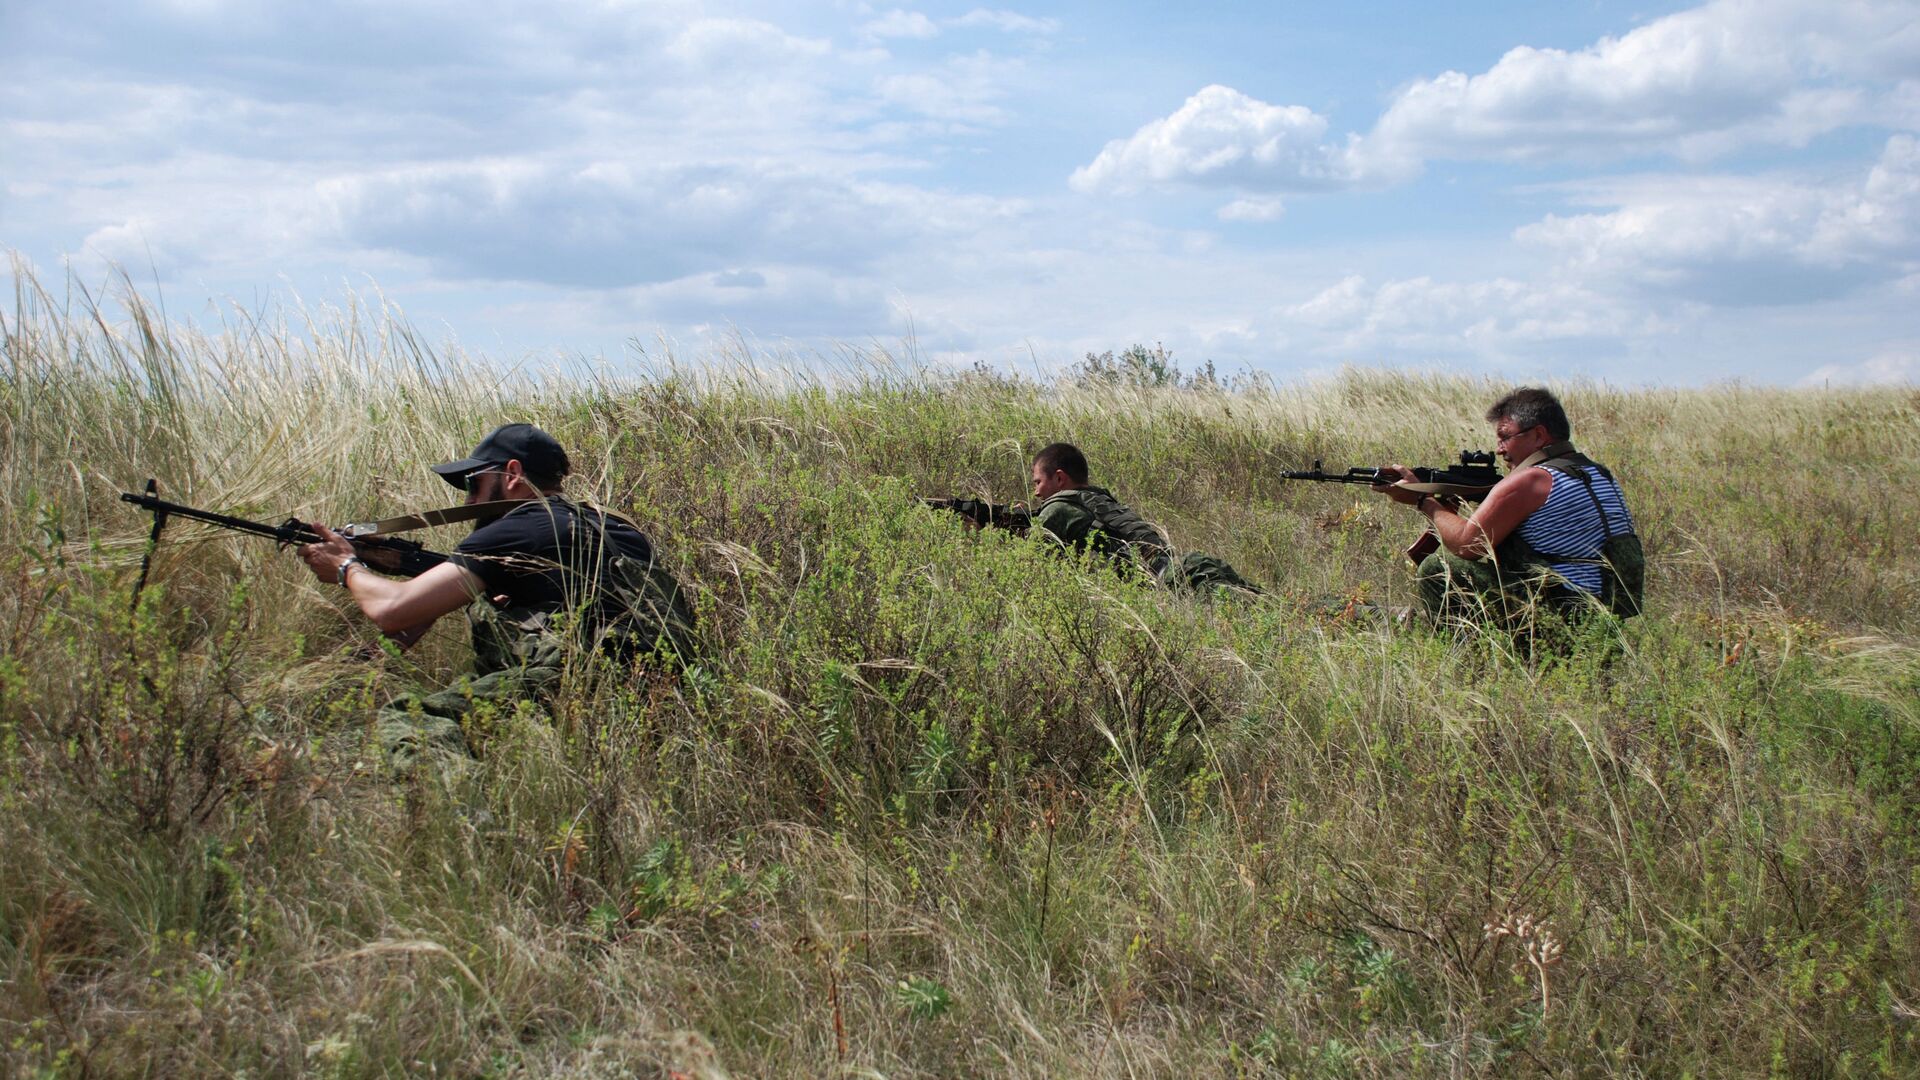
(1453, 588)
(1200, 573)
(458, 720)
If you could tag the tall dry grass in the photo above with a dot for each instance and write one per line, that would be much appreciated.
(934, 803)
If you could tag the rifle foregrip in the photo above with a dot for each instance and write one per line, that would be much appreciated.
(401, 558)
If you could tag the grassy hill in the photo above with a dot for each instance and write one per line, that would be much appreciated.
(934, 803)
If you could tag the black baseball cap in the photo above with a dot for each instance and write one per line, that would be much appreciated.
(536, 451)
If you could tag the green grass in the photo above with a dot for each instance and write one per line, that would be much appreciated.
(934, 803)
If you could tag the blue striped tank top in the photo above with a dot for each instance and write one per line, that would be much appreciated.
(1568, 527)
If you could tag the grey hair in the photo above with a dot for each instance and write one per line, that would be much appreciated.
(1530, 407)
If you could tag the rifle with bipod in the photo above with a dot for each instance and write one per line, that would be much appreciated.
(372, 541)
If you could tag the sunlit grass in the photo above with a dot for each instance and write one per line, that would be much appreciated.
(933, 802)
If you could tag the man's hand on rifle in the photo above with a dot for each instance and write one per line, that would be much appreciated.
(1396, 493)
(327, 557)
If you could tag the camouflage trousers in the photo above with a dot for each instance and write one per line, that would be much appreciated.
(459, 720)
(1454, 589)
(1200, 573)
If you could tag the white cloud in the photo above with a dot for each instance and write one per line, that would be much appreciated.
(1223, 138)
(1008, 21)
(901, 24)
(739, 279)
(962, 90)
(1254, 208)
(1747, 240)
(1891, 368)
(612, 224)
(1698, 82)
(739, 44)
(1489, 318)
(136, 243)
(1883, 217)
(917, 26)
(802, 302)
(1341, 305)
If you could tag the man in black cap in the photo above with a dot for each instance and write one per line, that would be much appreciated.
(543, 565)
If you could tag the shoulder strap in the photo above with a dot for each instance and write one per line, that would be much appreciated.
(1568, 467)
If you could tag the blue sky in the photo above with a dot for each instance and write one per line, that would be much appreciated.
(1643, 194)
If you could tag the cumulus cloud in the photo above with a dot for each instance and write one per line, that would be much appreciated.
(1437, 317)
(1254, 208)
(791, 303)
(1702, 81)
(137, 243)
(1223, 138)
(963, 90)
(1891, 368)
(1008, 21)
(741, 42)
(611, 225)
(1746, 240)
(1705, 81)
(917, 25)
(901, 24)
(600, 226)
(740, 279)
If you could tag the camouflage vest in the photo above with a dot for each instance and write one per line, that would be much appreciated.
(1117, 531)
(1622, 561)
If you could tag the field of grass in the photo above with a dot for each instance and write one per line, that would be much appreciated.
(933, 803)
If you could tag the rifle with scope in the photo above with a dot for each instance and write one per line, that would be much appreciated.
(1468, 481)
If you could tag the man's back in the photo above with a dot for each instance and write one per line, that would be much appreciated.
(1091, 518)
(549, 554)
(548, 557)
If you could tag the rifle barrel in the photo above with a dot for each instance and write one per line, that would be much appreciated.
(387, 554)
(286, 534)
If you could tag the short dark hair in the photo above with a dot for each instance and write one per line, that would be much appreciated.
(1530, 407)
(548, 482)
(1063, 457)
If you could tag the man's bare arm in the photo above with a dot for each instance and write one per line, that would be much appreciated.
(396, 606)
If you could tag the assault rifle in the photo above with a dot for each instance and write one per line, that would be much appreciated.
(1014, 517)
(1470, 481)
(385, 553)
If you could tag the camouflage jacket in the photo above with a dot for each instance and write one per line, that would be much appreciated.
(1090, 518)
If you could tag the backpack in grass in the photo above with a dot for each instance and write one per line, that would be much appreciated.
(653, 613)
(1622, 561)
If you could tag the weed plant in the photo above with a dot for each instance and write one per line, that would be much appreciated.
(932, 802)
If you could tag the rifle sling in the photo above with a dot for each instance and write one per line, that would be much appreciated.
(1460, 491)
(426, 518)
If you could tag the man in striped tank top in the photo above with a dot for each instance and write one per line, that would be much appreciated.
(1554, 531)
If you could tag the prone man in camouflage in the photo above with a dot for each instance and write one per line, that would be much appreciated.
(543, 577)
(1083, 517)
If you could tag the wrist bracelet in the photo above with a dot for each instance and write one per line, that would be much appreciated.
(340, 576)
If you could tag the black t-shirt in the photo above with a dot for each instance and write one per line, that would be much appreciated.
(547, 554)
